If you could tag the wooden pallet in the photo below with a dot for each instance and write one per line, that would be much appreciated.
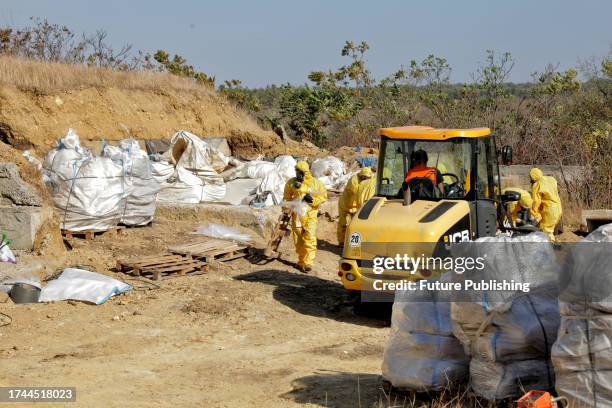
(162, 266)
(211, 249)
(91, 234)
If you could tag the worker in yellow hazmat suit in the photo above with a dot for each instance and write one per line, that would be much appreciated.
(347, 203)
(546, 207)
(305, 194)
(516, 207)
(446, 179)
(365, 191)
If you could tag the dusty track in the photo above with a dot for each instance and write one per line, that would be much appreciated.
(240, 336)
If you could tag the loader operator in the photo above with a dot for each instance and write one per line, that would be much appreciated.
(546, 207)
(306, 193)
(421, 178)
(519, 211)
(348, 202)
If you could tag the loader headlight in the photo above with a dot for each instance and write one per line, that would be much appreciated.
(350, 277)
(345, 266)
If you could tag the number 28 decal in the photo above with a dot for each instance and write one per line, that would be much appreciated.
(355, 239)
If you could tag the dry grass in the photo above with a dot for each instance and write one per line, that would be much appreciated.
(48, 76)
(461, 398)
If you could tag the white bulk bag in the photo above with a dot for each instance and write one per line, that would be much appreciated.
(193, 153)
(142, 187)
(186, 187)
(88, 192)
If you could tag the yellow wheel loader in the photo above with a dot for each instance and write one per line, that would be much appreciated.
(423, 216)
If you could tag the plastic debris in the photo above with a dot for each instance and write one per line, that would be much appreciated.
(222, 232)
(508, 334)
(297, 206)
(422, 354)
(582, 354)
(329, 170)
(6, 255)
(86, 286)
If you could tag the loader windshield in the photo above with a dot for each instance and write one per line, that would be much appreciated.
(451, 158)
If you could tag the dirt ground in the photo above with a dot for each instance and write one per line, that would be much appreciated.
(242, 335)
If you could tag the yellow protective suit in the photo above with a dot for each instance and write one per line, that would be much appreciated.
(515, 207)
(546, 207)
(347, 203)
(366, 190)
(304, 228)
(446, 179)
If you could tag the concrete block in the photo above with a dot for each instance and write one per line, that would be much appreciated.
(261, 221)
(517, 175)
(593, 219)
(14, 189)
(21, 224)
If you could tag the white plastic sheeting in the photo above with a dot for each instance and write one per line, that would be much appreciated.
(275, 179)
(189, 171)
(96, 193)
(88, 191)
(240, 191)
(185, 187)
(256, 169)
(161, 170)
(6, 255)
(330, 170)
(508, 334)
(79, 284)
(422, 354)
(223, 232)
(141, 186)
(297, 206)
(193, 153)
(272, 175)
(582, 354)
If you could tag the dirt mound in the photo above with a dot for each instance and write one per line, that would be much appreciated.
(39, 101)
(28, 172)
(347, 153)
(34, 120)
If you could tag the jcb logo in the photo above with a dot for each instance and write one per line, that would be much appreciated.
(461, 236)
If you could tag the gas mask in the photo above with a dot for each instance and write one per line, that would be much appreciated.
(299, 178)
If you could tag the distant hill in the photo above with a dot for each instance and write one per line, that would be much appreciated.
(39, 101)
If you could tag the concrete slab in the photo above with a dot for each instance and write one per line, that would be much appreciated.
(261, 221)
(518, 175)
(21, 224)
(593, 219)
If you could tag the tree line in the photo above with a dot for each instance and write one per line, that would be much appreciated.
(559, 117)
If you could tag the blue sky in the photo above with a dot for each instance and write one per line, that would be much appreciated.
(275, 41)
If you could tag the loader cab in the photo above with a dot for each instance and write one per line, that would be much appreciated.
(464, 208)
(464, 159)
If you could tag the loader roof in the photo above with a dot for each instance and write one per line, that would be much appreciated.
(429, 133)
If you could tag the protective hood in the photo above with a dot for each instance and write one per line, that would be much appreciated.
(535, 174)
(365, 172)
(303, 167)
